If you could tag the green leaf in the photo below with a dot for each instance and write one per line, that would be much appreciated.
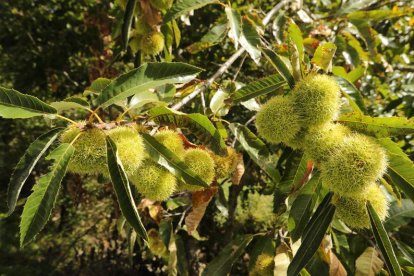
(295, 35)
(323, 56)
(311, 240)
(370, 37)
(256, 149)
(354, 5)
(26, 164)
(277, 62)
(352, 91)
(71, 102)
(378, 126)
(14, 104)
(149, 75)
(257, 88)
(399, 214)
(400, 167)
(213, 37)
(250, 40)
(184, 6)
(197, 124)
(97, 86)
(383, 242)
(296, 173)
(163, 156)
(127, 22)
(123, 190)
(262, 245)
(301, 209)
(379, 15)
(368, 263)
(235, 22)
(39, 204)
(221, 265)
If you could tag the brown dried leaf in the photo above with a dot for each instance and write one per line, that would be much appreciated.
(200, 201)
(239, 171)
(335, 267)
(152, 16)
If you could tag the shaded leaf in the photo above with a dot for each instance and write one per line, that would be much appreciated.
(71, 102)
(214, 36)
(235, 23)
(39, 204)
(399, 214)
(123, 190)
(149, 75)
(26, 164)
(200, 201)
(127, 22)
(256, 149)
(250, 40)
(221, 265)
(14, 104)
(369, 263)
(311, 239)
(378, 126)
(277, 62)
(383, 242)
(400, 167)
(354, 5)
(163, 156)
(196, 123)
(97, 86)
(181, 7)
(257, 88)
(323, 56)
(296, 173)
(352, 91)
(262, 245)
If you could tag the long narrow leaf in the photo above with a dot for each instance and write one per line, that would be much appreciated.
(39, 204)
(383, 242)
(122, 189)
(280, 66)
(26, 164)
(163, 156)
(184, 6)
(149, 75)
(14, 104)
(127, 22)
(258, 88)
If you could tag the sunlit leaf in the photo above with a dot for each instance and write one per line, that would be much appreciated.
(277, 62)
(258, 88)
(323, 56)
(368, 263)
(71, 102)
(235, 22)
(181, 7)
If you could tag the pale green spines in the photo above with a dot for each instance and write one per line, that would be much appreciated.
(225, 165)
(90, 150)
(172, 141)
(277, 121)
(152, 43)
(316, 100)
(154, 181)
(202, 165)
(130, 147)
(320, 141)
(353, 211)
(256, 208)
(264, 266)
(356, 162)
(161, 4)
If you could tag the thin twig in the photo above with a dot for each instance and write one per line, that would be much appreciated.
(223, 68)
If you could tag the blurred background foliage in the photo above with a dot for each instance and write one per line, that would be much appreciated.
(55, 49)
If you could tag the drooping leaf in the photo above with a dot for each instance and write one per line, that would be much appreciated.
(71, 102)
(221, 265)
(214, 36)
(383, 242)
(235, 23)
(256, 149)
(323, 56)
(369, 35)
(123, 190)
(368, 263)
(97, 86)
(181, 7)
(39, 204)
(127, 22)
(399, 214)
(163, 156)
(277, 62)
(352, 91)
(400, 167)
(197, 124)
(301, 209)
(14, 104)
(257, 88)
(378, 126)
(354, 5)
(295, 35)
(26, 164)
(250, 40)
(200, 201)
(149, 75)
(311, 239)
(296, 173)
